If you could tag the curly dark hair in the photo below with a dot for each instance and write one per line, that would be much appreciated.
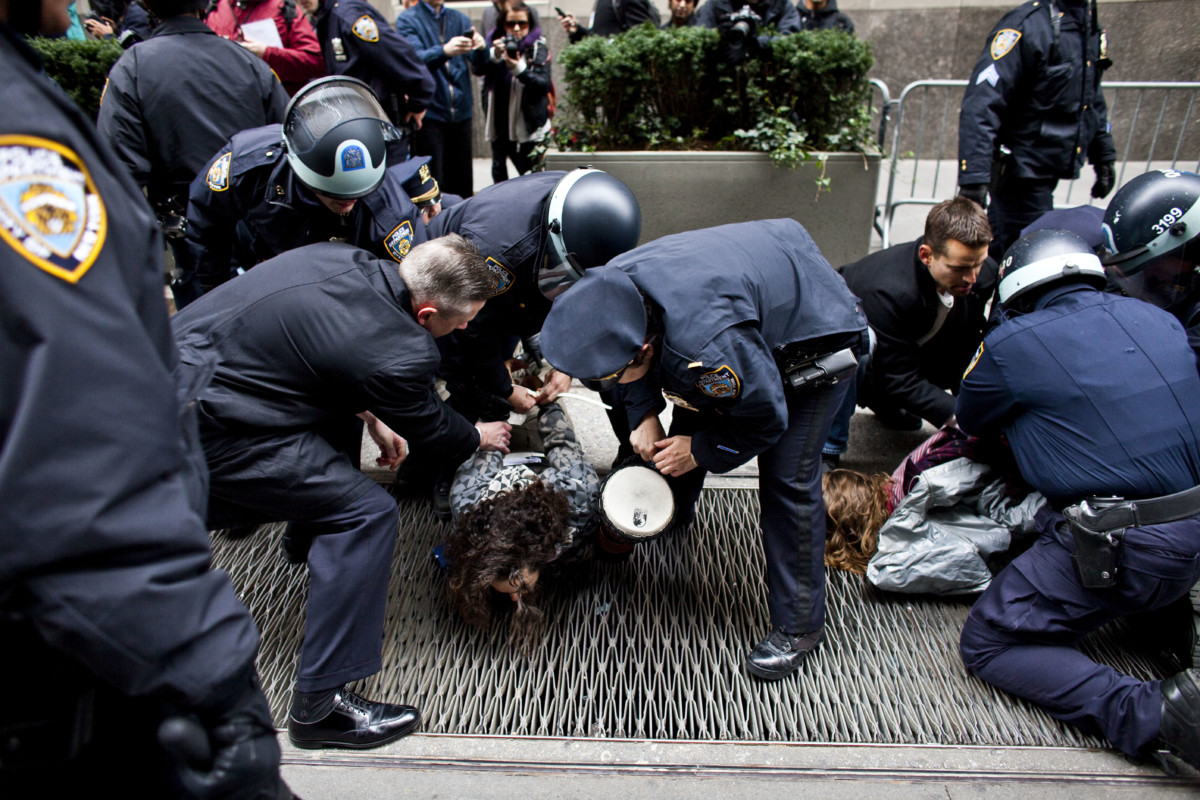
(501, 539)
(855, 510)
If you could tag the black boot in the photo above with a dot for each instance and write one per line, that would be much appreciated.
(781, 653)
(341, 718)
(1180, 729)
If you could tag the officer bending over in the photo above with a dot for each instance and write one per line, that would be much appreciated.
(1152, 227)
(172, 103)
(750, 333)
(111, 620)
(1097, 395)
(302, 344)
(322, 177)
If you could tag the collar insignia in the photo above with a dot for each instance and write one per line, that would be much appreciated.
(400, 240)
(50, 211)
(365, 29)
(722, 383)
(502, 277)
(218, 174)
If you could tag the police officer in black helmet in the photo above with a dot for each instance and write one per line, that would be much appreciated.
(1152, 227)
(1096, 394)
(539, 232)
(321, 176)
(112, 621)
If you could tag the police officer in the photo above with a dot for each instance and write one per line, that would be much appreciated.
(357, 41)
(302, 344)
(538, 233)
(172, 103)
(1033, 112)
(323, 176)
(1152, 229)
(1096, 394)
(750, 332)
(111, 619)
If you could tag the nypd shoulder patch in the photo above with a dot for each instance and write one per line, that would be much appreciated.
(50, 210)
(218, 174)
(502, 277)
(974, 360)
(722, 383)
(1003, 42)
(400, 240)
(366, 29)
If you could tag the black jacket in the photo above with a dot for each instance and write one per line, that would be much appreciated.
(610, 17)
(1036, 91)
(827, 18)
(175, 100)
(900, 299)
(114, 566)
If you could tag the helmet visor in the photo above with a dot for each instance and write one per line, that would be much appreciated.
(323, 106)
(558, 273)
(1165, 281)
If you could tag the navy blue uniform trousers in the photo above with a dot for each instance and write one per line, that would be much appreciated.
(1021, 634)
(792, 508)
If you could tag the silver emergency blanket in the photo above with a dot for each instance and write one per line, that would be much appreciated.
(940, 538)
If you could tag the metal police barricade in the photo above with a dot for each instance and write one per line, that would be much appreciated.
(1156, 125)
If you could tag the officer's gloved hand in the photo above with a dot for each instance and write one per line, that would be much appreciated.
(976, 192)
(229, 753)
(1106, 178)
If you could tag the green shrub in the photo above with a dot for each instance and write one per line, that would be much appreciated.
(80, 68)
(651, 89)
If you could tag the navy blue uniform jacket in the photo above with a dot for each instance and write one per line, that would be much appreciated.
(357, 41)
(249, 181)
(1096, 393)
(174, 100)
(1037, 93)
(113, 563)
(730, 296)
(322, 332)
(506, 221)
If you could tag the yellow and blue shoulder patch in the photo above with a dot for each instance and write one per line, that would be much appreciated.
(722, 383)
(366, 29)
(974, 360)
(502, 277)
(400, 240)
(218, 174)
(51, 213)
(1003, 42)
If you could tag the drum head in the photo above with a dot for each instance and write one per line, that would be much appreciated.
(636, 503)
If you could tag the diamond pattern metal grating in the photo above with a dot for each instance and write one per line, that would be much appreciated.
(652, 649)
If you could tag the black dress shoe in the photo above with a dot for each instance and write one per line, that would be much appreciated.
(353, 722)
(781, 653)
(1181, 715)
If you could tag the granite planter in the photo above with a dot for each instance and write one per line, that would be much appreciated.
(680, 191)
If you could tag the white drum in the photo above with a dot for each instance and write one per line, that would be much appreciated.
(636, 503)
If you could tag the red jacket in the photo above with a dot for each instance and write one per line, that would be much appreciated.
(298, 61)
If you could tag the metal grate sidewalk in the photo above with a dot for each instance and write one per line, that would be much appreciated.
(652, 649)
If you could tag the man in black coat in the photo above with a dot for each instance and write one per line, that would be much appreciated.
(821, 15)
(611, 17)
(925, 303)
(1033, 113)
(302, 345)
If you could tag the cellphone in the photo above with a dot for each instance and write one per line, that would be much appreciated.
(559, 11)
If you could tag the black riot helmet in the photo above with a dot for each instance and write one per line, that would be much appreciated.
(591, 218)
(1041, 259)
(335, 134)
(1152, 228)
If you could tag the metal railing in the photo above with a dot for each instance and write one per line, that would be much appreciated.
(1154, 125)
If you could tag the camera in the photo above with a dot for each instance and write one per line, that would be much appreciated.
(743, 24)
(512, 46)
